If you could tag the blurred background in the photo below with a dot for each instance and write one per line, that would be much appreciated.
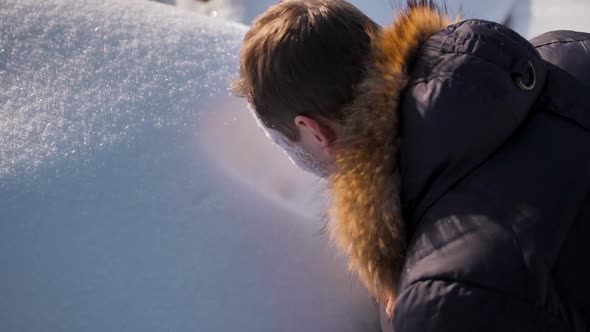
(528, 17)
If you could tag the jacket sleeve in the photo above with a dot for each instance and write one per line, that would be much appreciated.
(441, 306)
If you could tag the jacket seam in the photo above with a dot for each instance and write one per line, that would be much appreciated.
(562, 42)
(469, 284)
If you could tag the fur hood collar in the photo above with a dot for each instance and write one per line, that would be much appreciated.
(366, 217)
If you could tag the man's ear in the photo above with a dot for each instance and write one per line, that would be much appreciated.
(319, 131)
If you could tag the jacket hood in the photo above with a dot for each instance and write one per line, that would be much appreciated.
(472, 87)
(366, 216)
(436, 101)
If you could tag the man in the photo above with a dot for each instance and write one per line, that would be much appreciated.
(458, 156)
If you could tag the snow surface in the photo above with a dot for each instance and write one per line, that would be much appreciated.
(136, 195)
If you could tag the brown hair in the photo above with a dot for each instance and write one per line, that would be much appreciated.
(304, 57)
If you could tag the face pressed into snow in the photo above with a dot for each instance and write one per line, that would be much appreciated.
(298, 155)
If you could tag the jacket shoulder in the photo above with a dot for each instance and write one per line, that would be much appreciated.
(568, 50)
(560, 36)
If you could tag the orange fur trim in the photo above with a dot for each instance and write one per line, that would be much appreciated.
(366, 217)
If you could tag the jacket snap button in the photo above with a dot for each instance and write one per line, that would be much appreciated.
(527, 86)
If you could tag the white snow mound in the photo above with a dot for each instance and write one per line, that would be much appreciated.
(136, 195)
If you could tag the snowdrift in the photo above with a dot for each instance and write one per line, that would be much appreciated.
(136, 195)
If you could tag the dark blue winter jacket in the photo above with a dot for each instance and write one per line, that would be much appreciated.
(491, 145)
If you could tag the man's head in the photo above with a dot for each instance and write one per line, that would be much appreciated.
(299, 66)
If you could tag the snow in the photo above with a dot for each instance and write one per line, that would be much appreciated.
(136, 195)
